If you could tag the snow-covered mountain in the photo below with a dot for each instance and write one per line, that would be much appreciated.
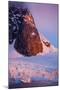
(47, 46)
(23, 31)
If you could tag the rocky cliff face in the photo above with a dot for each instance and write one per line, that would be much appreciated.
(22, 28)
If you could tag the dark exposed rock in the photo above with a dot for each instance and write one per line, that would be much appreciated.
(23, 29)
(46, 43)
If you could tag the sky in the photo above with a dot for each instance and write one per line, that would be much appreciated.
(45, 17)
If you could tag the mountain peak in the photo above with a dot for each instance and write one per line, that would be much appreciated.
(22, 30)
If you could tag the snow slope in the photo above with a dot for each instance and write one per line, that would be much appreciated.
(46, 49)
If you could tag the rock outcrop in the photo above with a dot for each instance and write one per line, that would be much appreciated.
(27, 39)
